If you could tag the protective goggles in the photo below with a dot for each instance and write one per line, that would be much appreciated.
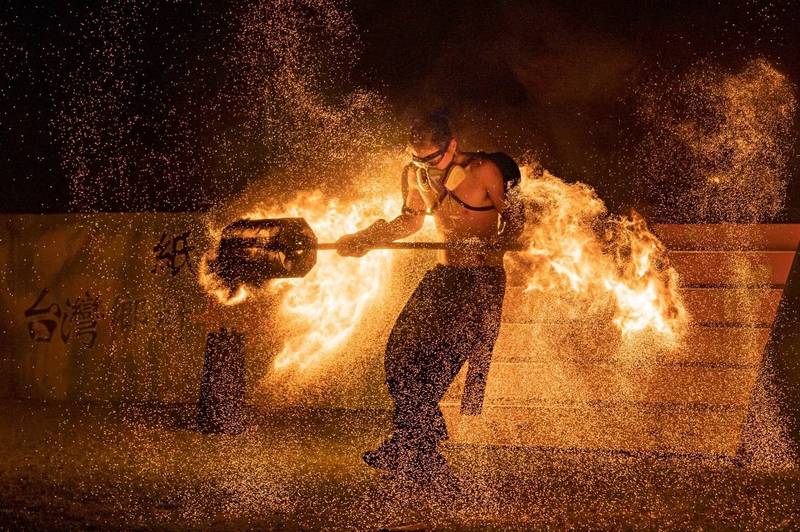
(430, 160)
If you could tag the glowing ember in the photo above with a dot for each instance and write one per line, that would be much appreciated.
(214, 285)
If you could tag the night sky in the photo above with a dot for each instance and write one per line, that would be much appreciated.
(171, 123)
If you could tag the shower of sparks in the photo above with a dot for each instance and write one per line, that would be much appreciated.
(719, 142)
(288, 127)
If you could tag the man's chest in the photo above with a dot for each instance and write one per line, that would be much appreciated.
(454, 196)
(464, 209)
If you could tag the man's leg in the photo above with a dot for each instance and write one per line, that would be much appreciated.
(478, 300)
(478, 296)
(445, 342)
(453, 313)
(401, 362)
(424, 353)
(492, 282)
(436, 372)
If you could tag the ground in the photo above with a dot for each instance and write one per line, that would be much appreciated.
(135, 466)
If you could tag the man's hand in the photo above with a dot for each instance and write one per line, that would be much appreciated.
(352, 246)
(357, 244)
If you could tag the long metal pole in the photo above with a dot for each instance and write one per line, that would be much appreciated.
(270, 244)
(424, 245)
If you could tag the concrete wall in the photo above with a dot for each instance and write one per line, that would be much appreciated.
(93, 308)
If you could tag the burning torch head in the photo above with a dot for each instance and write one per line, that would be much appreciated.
(252, 252)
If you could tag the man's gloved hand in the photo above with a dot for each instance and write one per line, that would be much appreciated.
(353, 245)
(357, 244)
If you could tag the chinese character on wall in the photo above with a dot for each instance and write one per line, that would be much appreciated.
(173, 253)
(74, 319)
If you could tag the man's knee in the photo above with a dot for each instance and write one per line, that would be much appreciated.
(400, 360)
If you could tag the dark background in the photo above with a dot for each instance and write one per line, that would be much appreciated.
(555, 80)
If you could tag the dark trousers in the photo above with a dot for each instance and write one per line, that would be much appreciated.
(453, 315)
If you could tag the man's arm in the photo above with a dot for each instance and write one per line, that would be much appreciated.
(510, 206)
(409, 222)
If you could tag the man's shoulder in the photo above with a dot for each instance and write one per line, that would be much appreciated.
(499, 164)
(484, 167)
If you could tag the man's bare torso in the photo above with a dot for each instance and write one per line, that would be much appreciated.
(454, 222)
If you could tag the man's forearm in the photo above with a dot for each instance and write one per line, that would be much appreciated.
(400, 227)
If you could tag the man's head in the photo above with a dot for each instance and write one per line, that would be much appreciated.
(432, 142)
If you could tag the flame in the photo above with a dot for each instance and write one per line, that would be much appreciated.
(324, 307)
(576, 247)
(214, 286)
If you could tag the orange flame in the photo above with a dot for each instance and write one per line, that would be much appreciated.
(624, 264)
(324, 307)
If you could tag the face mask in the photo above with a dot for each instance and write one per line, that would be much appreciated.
(449, 178)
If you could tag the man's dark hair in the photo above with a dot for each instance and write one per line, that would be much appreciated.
(431, 129)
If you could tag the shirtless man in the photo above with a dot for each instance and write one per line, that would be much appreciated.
(454, 313)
